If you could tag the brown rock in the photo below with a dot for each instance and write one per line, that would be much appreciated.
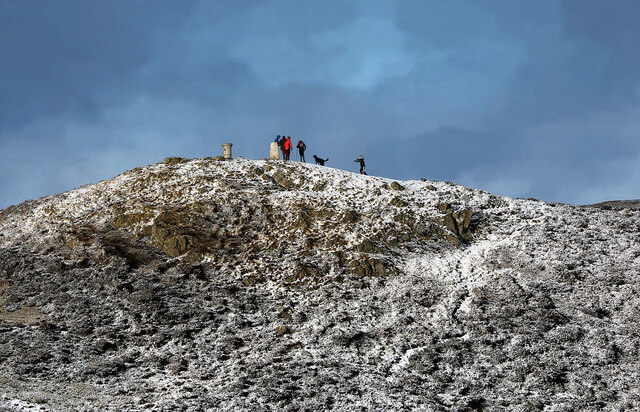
(367, 246)
(397, 186)
(282, 180)
(443, 207)
(462, 218)
(370, 267)
(282, 330)
(174, 160)
(398, 202)
(349, 216)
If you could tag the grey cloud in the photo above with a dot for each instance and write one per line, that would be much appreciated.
(523, 98)
(589, 64)
(443, 153)
(74, 57)
(612, 29)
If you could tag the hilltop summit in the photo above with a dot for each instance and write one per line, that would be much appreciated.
(209, 284)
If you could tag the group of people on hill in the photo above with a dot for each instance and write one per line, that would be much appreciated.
(285, 145)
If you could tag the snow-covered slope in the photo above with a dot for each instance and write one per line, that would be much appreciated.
(257, 285)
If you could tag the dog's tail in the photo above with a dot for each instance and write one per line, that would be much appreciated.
(327, 159)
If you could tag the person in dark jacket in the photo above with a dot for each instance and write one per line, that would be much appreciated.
(301, 148)
(287, 148)
(281, 141)
(361, 161)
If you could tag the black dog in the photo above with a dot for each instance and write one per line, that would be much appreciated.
(320, 161)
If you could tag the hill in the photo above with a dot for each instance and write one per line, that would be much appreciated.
(619, 205)
(207, 284)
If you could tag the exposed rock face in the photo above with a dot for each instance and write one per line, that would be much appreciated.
(263, 285)
(458, 221)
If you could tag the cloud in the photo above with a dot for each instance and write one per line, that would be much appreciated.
(557, 160)
(324, 43)
(533, 99)
(72, 57)
(74, 153)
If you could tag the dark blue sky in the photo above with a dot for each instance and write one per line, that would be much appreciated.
(520, 98)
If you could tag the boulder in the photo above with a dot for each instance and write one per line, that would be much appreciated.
(457, 221)
(280, 178)
(398, 202)
(397, 186)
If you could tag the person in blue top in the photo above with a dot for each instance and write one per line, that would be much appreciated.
(280, 140)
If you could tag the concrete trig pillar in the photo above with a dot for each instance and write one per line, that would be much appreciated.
(274, 153)
(226, 150)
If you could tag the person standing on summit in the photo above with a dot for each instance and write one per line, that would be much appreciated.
(281, 144)
(286, 148)
(301, 148)
(361, 161)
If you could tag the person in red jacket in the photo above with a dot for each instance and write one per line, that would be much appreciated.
(287, 148)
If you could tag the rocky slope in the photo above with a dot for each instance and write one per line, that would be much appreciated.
(262, 285)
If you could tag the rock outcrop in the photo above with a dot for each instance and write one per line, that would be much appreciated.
(211, 284)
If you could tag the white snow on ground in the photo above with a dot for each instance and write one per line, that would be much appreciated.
(525, 242)
(519, 224)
